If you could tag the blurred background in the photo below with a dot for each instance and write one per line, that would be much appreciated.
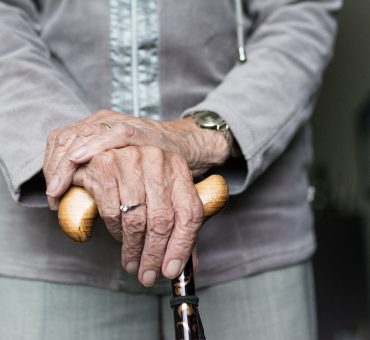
(341, 178)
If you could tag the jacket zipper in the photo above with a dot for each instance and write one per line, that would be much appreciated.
(134, 61)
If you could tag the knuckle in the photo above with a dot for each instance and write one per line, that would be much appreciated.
(134, 223)
(111, 215)
(103, 113)
(158, 235)
(65, 166)
(154, 259)
(89, 180)
(131, 251)
(47, 174)
(155, 152)
(112, 221)
(179, 161)
(133, 242)
(186, 217)
(183, 245)
(89, 130)
(64, 137)
(160, 223)
(156, 157)
(105, 158)
(66, 175)
(197, 213)
(126, 130)
(133, 152)
(186, 232)
(115, 230)
(52, 136)
(190, 220)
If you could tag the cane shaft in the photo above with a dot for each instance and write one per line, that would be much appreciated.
(186, 316)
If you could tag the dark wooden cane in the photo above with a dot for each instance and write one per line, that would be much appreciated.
(186, 317)
(77, 211)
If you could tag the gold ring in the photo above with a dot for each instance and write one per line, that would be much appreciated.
(106, 125)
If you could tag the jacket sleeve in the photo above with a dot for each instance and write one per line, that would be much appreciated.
(267, 99)
(34, 99)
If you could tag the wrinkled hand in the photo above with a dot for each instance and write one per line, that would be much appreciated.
(76, 144)
(160, 234)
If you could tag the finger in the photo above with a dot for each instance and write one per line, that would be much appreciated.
(188, 219)
(108, 201)
(53, 202)
(66, 168)
(58, 144)
(100, 180)
(119, 136)
(132, 191)
(160, 215)
(50, 144)
(100, 116)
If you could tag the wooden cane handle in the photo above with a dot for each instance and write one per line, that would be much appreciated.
(77, 208)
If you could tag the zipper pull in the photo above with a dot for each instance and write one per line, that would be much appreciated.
(242, 55)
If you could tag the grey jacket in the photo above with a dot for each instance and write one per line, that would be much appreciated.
(55, 69)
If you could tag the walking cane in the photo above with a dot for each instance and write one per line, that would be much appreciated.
(77, 210)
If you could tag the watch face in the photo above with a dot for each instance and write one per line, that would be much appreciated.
(209, 119)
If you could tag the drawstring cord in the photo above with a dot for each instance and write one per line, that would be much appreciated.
(242, 56)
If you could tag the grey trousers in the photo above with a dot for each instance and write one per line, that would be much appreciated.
(276, 305)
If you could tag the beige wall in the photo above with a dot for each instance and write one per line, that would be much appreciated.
(346, 85)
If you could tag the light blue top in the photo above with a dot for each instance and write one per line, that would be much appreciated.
(134, 57)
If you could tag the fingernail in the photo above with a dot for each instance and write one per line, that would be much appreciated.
(173, 268)
(132, 267)
(149, 277)
(77, 153)
(53, 185)
(53, 203)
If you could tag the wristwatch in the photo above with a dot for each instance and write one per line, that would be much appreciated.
(211, 120)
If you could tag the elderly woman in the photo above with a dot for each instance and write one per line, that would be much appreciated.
(182, 99)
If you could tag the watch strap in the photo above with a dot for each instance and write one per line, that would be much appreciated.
(212, 120)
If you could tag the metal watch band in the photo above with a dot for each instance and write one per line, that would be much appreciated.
(212, 120)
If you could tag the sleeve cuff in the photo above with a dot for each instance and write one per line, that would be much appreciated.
(239, 173)
(24, 183)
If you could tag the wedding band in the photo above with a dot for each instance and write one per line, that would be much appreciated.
(106, 125)
(126, 207)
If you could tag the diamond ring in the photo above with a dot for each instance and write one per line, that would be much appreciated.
(126, 207)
